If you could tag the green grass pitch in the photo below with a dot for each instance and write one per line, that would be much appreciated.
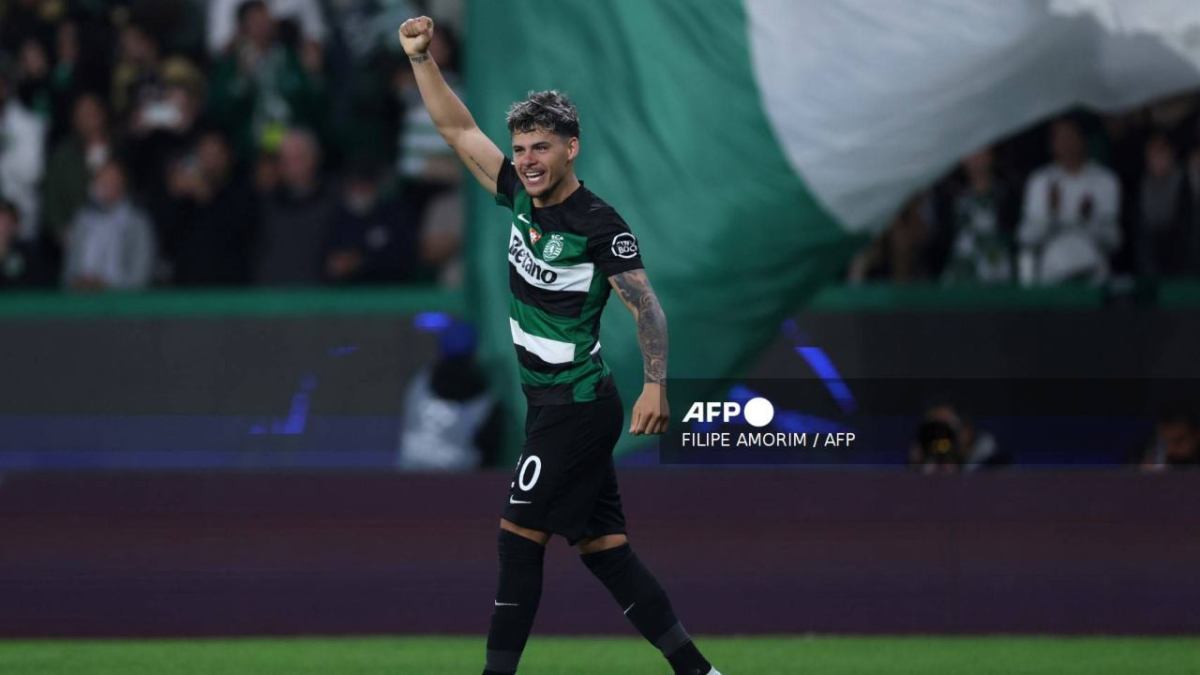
(604, 656)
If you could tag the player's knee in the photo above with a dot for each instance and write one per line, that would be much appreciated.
(536, 536)
(609, 563)
(515, 548)
(602, 543)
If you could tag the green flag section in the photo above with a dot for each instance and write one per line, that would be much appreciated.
(872, 99)
(675, 138)
(751, 146)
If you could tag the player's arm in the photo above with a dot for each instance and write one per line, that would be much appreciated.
(453, 120)
(650, 413)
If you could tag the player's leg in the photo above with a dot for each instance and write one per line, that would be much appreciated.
(518, 593)
(607, 553)
(524, 531)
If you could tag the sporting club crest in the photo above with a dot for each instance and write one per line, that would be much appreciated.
(554, 247)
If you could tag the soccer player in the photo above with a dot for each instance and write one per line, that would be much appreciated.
(566, 249)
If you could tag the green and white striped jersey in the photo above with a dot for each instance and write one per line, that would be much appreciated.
(559, 261)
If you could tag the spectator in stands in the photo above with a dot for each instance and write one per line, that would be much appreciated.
(296, 217)
(137, 82)
(440, 239)
(163, 129)
(974, 449)
(450, 420)
(1165, 244)
(111, 242)
(264, 84)
(66, 78)
(369, 25)
(935, 449)
(21, 264)
(372, 240)
(162, 120)
(902, 254)
(225, 21)
(1069, 225)
(22, 154)
(213, 214)
(74, 163)
(1176, 443)
(982, 248)
(266, 172)
(33, 78)
(179, 24)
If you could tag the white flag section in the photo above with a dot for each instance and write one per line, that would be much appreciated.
(872, 99)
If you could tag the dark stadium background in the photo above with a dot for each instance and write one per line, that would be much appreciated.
(214, 457)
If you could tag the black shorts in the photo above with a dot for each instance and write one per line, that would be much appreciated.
(565, 482)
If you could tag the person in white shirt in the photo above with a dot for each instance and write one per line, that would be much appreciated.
(111, 242)
(1069, 226)
(22, 155)
(223, 19)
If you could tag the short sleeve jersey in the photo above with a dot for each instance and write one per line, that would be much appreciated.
(559, 261)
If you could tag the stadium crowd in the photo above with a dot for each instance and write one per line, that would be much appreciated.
(220, 142)
(1082, 198)
(282, 142)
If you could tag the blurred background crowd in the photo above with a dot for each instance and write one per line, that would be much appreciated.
(1082, 198)
(221, 142)
(282, 142)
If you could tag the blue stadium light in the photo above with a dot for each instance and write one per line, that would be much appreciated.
(342, 350)
(823, 366)
(741, 393)
(294, 423)
(432, 322)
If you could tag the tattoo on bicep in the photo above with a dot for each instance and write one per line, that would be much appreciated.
(483, 170)
(634, 289)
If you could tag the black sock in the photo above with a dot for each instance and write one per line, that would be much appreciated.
(517, 596)
(647, 607)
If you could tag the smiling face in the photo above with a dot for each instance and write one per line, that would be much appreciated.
(543, 159)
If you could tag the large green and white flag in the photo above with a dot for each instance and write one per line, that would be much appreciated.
(750, 144)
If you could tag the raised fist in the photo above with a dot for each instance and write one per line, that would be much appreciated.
(415, 35)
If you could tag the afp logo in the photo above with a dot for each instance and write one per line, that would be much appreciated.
(758, 412)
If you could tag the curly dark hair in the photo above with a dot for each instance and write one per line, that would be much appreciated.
(550, 110)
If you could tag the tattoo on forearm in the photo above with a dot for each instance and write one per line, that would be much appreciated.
(634, 289)
(419, 58)
(483, 170)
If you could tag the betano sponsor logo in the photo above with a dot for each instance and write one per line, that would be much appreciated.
(523, 259)
(576, 278)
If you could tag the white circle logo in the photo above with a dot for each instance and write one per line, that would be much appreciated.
(625, 245)
(758, 412)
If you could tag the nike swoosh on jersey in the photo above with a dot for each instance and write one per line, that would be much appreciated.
(517, 501)
(507, 604)
(521, 217)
